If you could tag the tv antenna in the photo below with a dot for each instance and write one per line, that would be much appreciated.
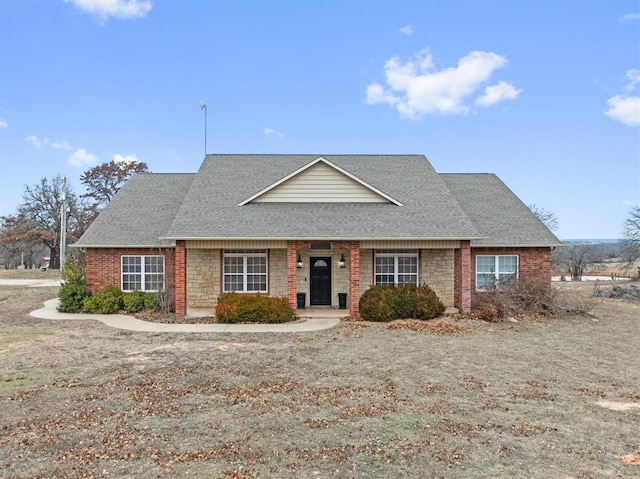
(203, 106)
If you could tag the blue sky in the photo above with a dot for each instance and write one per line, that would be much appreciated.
(544, 93)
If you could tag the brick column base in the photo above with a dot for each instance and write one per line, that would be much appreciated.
(354, 276)
(465, 276)
(292, 273)
(181, 279)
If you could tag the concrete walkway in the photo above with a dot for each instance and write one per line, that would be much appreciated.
(307, 323)
(32, 283)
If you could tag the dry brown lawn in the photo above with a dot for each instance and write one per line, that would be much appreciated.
(515, 399)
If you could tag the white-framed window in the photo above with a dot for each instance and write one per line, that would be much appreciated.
(142, 273)
(396, 267)
(244, 270)
(495, 271)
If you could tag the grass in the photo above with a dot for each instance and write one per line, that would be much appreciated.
(511, 399)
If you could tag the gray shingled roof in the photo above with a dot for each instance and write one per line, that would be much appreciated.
(140, 212)
(499, 215)
(210, 208)
(157, 209)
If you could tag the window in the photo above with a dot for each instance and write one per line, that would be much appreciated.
(495, 271)
(245, 271)
(142, 273)
(396, 267)
(320, 246)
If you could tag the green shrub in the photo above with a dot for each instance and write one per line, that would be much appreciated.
(252, 308)
(428, 305)
(107, 301)
(386, 303)
(375, 304)
(137, 301)
(73, 290)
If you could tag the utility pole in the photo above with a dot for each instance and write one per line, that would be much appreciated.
(203, 106)
(63, 224)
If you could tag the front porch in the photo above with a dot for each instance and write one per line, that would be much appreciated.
(315, 274)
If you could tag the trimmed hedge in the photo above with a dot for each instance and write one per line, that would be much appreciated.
(252, 308)
(386, 303)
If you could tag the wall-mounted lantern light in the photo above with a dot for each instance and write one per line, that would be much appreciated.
(341, 263)
(299, 263)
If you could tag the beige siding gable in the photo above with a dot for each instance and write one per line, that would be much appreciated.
(320, 182)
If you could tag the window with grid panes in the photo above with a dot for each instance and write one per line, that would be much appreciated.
(244, 271)
(495, 271)
(396, 267)
(142, 273)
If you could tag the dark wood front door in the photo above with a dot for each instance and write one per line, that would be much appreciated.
(320, 281)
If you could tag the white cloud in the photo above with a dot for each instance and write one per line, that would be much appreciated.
(625, 109)
(3, 124)
(416, 88)
(35, 141)
(629, 17)
(118, 158)
(42, 143)
(497, 93)
(61, 146)
(407, 30)
(81, 157)
(633, 78)
(122, 9)
(271, 132)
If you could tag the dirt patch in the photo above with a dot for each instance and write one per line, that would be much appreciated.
(618, 406)
(632, 459)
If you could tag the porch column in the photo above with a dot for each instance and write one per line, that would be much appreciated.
(354, 276)
(292, 274)
(181, 279)
(465, 276)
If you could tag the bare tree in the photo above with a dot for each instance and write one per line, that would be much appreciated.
(631, 238)
(576, 259)
(38, 219)
(547, 217)
(104, 181)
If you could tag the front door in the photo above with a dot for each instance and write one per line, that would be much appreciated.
(320, 281)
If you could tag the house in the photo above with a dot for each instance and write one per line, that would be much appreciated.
(316, 229)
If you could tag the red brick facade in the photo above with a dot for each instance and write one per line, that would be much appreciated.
(102, 266)
(534, 264)
(181, 279)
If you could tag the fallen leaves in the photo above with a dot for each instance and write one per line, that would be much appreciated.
(438, 328)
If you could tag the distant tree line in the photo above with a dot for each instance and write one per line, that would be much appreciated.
(34, 231)
(577, 259)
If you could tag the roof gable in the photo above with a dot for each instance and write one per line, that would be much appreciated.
(320, 181)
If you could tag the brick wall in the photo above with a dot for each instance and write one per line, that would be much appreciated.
(534, 264)
(102, 266)
(180, 288)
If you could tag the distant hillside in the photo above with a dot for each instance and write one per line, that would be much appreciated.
(592, 240)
